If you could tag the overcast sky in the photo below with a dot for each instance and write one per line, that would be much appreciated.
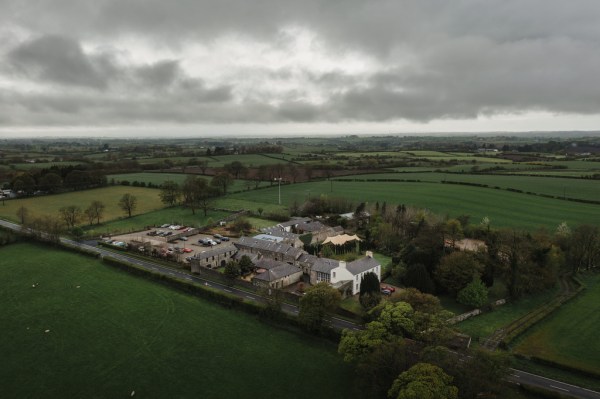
(199, 67)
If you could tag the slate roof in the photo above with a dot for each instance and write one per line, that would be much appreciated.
(293, 222)
(274, 231)
(278, 272)
(220, 250)
(268, 264)
(280, 248)
(362, 265)
(269, 237)
(311, 226)
(324, 265)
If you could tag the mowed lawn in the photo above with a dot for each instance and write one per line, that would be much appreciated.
(570, 335)
(148, 200)
(89, 331)
(503, 208)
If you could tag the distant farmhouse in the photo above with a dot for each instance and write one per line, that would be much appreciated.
(280, 260)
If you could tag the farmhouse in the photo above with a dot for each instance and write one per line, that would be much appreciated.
(278, 251)
(275, 274)
(339, 272)
(212, 258)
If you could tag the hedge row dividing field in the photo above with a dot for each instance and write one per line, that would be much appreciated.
(73, 327)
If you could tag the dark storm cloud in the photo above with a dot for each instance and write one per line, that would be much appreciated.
(433, 60)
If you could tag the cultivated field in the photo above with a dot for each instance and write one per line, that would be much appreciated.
(503, 208)
(561, 187)
(570, 335)
(89, 331)
(148, 200)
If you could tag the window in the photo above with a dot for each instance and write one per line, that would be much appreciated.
(333, 274)
(322, 277)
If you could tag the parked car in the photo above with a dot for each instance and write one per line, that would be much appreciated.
(165, 226)
(224, 238)
(187, 250)
(217, 240)
(388, 288)
(183, 238)
(386, 292)
(219, 236)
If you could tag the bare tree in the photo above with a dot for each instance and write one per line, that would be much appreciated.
(128, 203)
(70, 214)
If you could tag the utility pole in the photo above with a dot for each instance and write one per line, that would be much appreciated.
(279, 184)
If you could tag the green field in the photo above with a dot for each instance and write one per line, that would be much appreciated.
(482, 326)
(110, 334)
(571, 188)
(504, 208)
(570, 335)
(148, 200)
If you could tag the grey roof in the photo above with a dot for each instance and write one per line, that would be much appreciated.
(219, 250)
(278, 272)
(281, 248)
(294, 221)
(324, 265)
(362, 265)
(311, 226)
(274, 231)
(267, 263)
(308, 258)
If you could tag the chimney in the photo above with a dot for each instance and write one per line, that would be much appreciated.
(369, 254)
(342, 264)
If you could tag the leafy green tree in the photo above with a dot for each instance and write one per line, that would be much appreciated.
(232, 270)
(418, 277)
(51, 182)
(475, 294)
(397, 318)
(317, 302)
(354, 345)
(456, 270)
(246, 265)
(423, 381)
(370, 292)
(128, 203)
(170, 192)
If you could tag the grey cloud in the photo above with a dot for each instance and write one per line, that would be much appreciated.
(457, 59)
(61, 60)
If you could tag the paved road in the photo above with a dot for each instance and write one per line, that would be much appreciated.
(523, 377)
(517, 376)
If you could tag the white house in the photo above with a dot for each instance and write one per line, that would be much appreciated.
(338, 273)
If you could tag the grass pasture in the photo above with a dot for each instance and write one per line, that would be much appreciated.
(504, 208)
(110, 333)
(482, 326)
(570, 335)
(148, 200)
